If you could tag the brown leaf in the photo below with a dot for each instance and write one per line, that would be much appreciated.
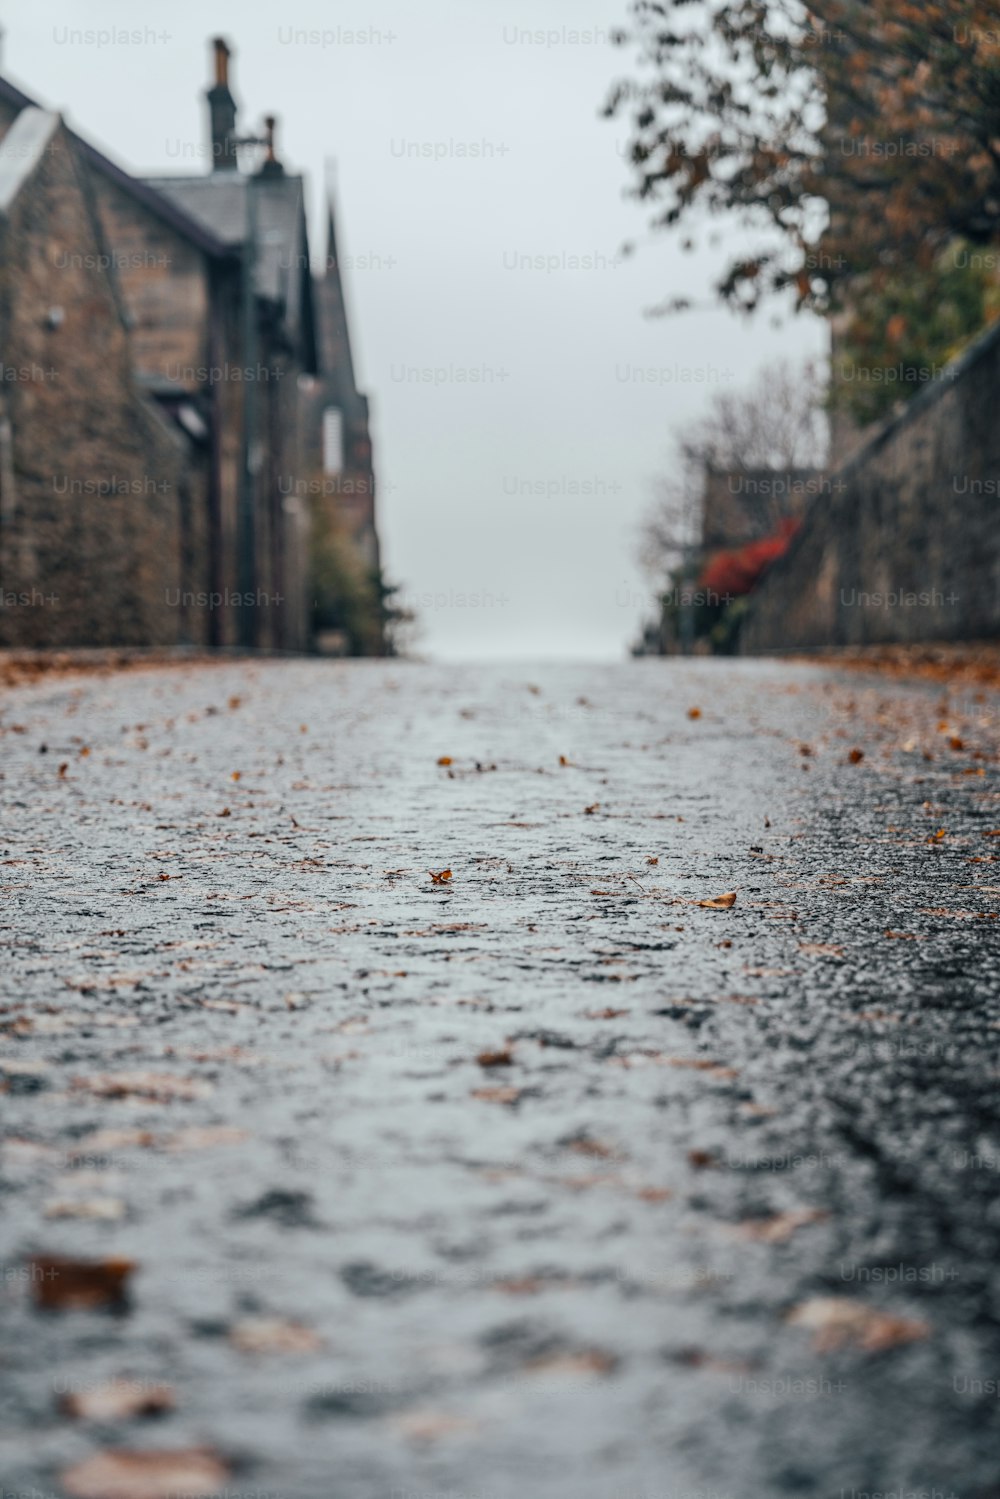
(592, 1148)
(780, 1228)
(105, 1141)
(694, 713)
(594, 807)
(701, 1160)
(607, 1014)
(193, 1471)
(587, 1361)
(118, 1400)
(821, 949)
(444, 760)
(105, 1209)
(159, 1087)
(839, 1322)
(66, 1284)
(204, 1138)
(424, 1425)
(702, 1064)
(272, 1335)
(720, 902)
(441, 878)
(497, 1095)
(496, 1058)
(856, 756)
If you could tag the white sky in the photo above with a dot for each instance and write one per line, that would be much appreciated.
(558, 406)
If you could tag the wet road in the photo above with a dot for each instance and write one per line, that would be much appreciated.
(542, 1179)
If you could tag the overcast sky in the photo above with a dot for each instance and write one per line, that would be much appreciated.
(515, 440)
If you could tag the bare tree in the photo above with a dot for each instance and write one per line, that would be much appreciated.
(778, 423)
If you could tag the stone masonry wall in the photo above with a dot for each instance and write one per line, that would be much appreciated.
(905, 545)
(92, 477)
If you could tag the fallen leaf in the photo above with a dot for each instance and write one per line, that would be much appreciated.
(502, 1058)
(592, 1148)
(856, 756)
(595, 807)
(588, 1361)
(66, 1284)
(839, 1322)
(701, 1160)
(106, 1209)
(701, 1064)
(104, 1141)
(159, 1087)
(780, 1228)
(694, 713)
(497, 1095)
(236, 775)
(431, 1425)
(653, 860)
(204, 1138)
(118, 1400)
(901, 936)
(444, 760)
(720, 902)
(821, 949)
(441, 878)
(605, 1014)
(272, 1335)
(193, 1472)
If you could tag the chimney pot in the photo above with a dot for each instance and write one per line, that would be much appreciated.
(222, 56)
(222, 111)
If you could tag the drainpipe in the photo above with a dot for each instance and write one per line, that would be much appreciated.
(251, 456)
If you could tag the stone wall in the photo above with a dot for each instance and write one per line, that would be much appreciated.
(905, 545)
(92, 478)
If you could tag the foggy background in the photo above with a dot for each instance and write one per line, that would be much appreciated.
(522, 488)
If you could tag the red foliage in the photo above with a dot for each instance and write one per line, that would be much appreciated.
(738, 572)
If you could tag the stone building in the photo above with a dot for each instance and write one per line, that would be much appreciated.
(221, 329)
(93, 477)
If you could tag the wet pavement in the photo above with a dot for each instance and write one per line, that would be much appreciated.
(541, 1179)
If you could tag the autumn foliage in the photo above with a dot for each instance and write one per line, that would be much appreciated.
(735, 573)
(854, 143)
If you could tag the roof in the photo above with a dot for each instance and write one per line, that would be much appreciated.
(162, 207)
(336, 359)
(22, 148)
(218, 201)
(210, 212)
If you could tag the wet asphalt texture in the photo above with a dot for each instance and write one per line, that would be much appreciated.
(573, 1269)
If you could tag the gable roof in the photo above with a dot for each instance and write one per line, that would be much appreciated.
(23, 148)
(162, 207)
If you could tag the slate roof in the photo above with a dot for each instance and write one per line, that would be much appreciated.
(159, 205)
(218, 201)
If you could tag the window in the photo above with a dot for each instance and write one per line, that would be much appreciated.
(333, 440)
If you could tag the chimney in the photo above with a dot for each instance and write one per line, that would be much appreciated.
(271, 166)
(222, 112)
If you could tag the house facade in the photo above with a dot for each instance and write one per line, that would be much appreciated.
(220, 341)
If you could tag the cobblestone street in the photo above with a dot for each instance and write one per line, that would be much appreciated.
(386, 1017)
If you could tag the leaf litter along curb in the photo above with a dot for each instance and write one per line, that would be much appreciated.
(840, 1322)
(194, 1472)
